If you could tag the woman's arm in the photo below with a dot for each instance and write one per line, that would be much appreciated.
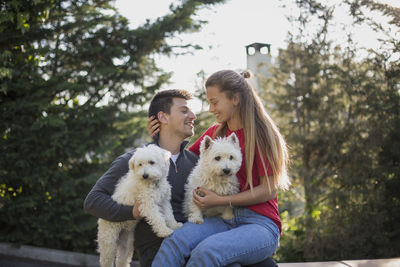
(261, 193)
(153, 126)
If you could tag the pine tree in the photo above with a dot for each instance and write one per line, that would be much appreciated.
(71, 74)
(340, 115)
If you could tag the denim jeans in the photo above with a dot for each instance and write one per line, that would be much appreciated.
(246, 239)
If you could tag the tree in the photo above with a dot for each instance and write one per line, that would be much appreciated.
(72, 76)
(340, 115)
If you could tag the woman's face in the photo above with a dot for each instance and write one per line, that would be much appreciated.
(220, 105)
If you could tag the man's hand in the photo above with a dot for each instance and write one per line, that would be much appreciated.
(136, 212)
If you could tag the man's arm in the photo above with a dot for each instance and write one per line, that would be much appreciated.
(99, 202)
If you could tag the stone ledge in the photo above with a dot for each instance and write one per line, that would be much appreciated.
(49, 255)
(55, 256)
(61, 257)
(394, 262)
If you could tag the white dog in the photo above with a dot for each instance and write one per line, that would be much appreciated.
(146, 182)
(216, 170)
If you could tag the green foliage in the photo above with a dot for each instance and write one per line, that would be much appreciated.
(292, 240)
(73, 80)
(204, 121)
(204, 118)
(340, 116)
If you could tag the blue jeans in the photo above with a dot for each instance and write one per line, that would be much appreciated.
(246, 239)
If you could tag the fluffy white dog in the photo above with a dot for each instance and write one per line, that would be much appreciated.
(216, 170)
(146, 182)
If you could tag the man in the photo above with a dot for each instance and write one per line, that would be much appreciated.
(175, 122)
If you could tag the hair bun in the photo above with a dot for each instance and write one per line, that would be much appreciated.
(245, 74)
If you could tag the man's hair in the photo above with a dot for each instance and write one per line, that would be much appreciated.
(162, 101)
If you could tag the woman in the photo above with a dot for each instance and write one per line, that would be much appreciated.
(253, 234)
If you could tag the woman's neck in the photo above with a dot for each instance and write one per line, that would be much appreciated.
(235, 123)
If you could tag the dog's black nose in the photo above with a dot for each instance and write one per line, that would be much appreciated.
(145, 176)
(227, 171)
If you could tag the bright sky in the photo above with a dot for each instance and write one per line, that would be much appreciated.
(231, 26)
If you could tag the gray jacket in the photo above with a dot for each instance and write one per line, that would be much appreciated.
(100, 204)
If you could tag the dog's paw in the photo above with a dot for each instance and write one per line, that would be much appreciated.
(227, 214)
(176, 225)
(197, 220)
(165, 233)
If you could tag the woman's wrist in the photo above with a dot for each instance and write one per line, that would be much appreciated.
(226, 201)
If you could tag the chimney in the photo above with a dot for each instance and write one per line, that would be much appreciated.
(258, 62)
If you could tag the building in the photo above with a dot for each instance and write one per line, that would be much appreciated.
(259, 62)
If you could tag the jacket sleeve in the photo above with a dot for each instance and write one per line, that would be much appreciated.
(99, 202)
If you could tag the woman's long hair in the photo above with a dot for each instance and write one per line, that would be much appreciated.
(261, 133)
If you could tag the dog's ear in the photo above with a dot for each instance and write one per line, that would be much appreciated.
(131, 163)
(233, 139)
(163, 159)
(205, 144)
(166, 155)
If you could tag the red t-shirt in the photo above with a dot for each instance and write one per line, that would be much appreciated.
(269, 208)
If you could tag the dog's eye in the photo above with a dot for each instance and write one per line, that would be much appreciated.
(231, 157)
(217, 158)
(151, 162)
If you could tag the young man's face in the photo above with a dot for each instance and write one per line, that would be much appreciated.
(181, 118)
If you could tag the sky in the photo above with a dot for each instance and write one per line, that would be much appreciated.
(231, 26)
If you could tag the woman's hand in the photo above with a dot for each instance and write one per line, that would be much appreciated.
(136, 212)
(205, 198)
(153, 126)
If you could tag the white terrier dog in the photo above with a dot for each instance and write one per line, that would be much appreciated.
(147, 183)
(216, 170)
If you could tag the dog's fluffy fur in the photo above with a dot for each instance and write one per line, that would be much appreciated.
(216, 170)
(146, 182)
